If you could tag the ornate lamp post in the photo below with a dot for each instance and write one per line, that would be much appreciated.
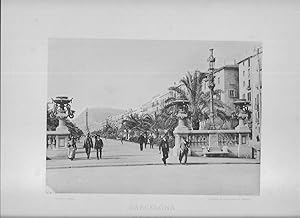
(62, 110)
(211, 85)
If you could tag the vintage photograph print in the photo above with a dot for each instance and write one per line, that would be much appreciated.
(154, 116)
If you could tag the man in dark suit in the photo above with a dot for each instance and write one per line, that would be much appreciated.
(146, 139)
(184, 149)
(164, 145)
(141, 140)
(98, 146)
(88, 145)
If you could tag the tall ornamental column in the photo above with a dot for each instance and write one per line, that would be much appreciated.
(211, 85)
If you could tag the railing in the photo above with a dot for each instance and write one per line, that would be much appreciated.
(204, 141)
(228, 139)
(198, 141)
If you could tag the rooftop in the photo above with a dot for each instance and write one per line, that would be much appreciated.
(233, 66)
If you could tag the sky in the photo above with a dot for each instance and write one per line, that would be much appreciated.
(124, 74)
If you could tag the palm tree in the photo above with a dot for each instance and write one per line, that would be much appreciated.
(198, 100)
(192, 91)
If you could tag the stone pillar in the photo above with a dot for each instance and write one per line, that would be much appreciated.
(244, 150)
(62, 131)
(180, 131)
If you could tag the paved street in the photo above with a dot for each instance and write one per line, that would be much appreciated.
(126, 169)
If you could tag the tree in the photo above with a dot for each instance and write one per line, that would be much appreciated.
(198, 100)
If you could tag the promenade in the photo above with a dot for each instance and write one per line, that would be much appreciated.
(128, 154)
(125, 169)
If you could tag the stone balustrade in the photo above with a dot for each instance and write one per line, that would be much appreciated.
(233, 142)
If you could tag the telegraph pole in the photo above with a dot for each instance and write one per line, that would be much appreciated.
(87, 120)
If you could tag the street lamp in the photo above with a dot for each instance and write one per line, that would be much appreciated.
(211, 85)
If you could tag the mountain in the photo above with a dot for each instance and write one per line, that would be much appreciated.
(95, 117)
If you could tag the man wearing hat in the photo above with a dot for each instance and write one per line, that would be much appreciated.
(164, 145)
(184, 149)
(141, 140)
(88, 145)
(98, 146)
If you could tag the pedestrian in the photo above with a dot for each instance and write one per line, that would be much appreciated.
(146, 139)
(98, 146)
(141, 140)
(72, 148)
(122, 139)
(88, 145)
(184, 149)
(151, 139)
(164, 145)
(49, 141)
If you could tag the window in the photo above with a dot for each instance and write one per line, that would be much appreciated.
(244, 83)
(231, 93)
(243, 63)
(249, 73)
(243, 72)
(243, 139)
(249, 84)
(244, 96)
(249, 96)
(218, 80)
(249, 62)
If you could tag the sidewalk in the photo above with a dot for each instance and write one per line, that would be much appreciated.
(128, 154)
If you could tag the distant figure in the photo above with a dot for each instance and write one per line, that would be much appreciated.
(146, 139)
(49, 142)
(184, 149)
(151, 141)
(141, 140)
(164, 145)
(98, 146)
(122, 139)
(88, 145)
(72, 148)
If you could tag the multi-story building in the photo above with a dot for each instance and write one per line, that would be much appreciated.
(156, 103)
(250, 69)
(227, 80)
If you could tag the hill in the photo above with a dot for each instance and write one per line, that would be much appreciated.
(95, 117)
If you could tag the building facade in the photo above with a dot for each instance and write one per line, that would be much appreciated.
(156, 104)
(250, 80)
(227, 80)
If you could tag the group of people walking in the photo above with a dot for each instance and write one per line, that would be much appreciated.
(88, 145)
(144, 140)
(184, 149)
(164, 147)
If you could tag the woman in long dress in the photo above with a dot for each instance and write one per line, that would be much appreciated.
(72, 148)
